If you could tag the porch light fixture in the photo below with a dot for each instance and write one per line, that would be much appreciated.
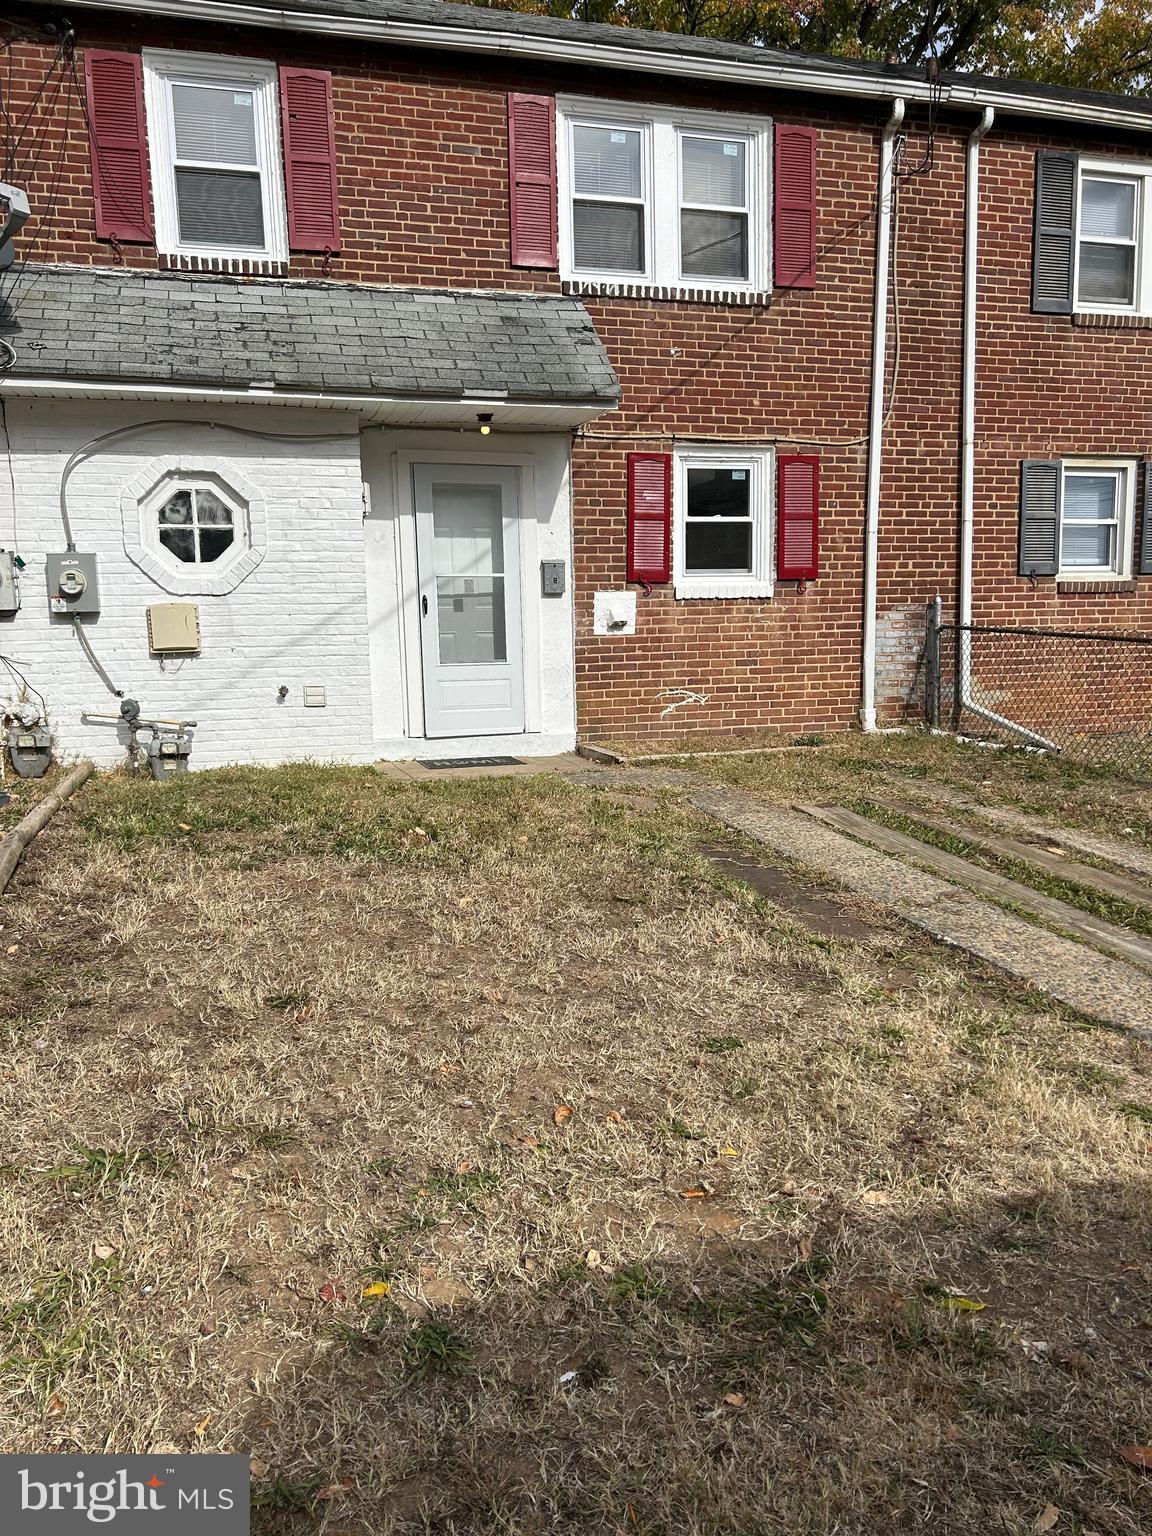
(485, 420)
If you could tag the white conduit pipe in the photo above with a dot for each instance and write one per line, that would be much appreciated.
(884, 194)
(968, 438)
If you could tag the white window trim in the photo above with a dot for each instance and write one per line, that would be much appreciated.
(1127, 470)
(760, 461)
(140, 502)
(260, 78)
(1119, 170)
(660, 160)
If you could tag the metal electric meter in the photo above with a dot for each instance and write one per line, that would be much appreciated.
(73, 583)
(30, 750)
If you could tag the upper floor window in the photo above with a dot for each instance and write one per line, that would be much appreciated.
(1113, 238)
(663, 199)
(214, 145)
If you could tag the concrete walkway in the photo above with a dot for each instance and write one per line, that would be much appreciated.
(1076, 975)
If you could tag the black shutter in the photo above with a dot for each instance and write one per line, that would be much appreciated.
(1039, 517)
(1146, 540)
(1054, 236)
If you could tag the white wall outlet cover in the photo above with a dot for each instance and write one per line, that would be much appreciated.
(614, 613)
(315, 696)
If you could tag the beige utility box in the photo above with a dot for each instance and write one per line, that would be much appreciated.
(173, 628)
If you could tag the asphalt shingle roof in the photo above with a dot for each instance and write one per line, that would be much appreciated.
(162, 327)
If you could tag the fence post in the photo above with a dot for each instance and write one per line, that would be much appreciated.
(932, 662)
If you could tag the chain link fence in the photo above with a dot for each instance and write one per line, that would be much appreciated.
(1085, 695)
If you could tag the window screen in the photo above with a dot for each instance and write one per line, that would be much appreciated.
(718, 520)
(714, 201)
(1108, 213)
(608, 199)
(219, 197)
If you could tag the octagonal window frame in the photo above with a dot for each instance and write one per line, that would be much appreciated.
(147, 492)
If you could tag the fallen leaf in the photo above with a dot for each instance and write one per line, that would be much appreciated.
(464, 1167)
(561, 1114)
(207, 1329)
(787, 1188)
(184, 827)
(1046, 1519)
(593, 1258)
(336, 1490)
(103, 1251)
(727, 1152)
(198, 1431)
(259, 1469)
(876, 1197)
(613, 1118)
(525, 1139)
(962, 1303)
(377, 1288)
(415, 837)
(735, 1399)
(1138, 1456)
(804, 1249)
(331, 1292)
(693, 1194)
(57, 1406)
(13, 949)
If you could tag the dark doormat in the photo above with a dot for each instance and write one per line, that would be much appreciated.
(470, 762)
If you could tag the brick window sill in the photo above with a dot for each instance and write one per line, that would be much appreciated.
(1105, 322)
(683, 294)
(1095, 588)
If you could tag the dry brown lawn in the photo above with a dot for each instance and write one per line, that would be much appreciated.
(482, 1161)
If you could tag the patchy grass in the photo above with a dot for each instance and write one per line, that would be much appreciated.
(282, 1170)
(914, 766)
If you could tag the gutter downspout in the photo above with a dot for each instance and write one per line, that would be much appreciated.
(964, 699)
(884, 195)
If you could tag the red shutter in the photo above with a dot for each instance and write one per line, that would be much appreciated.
(532, 179)
(650, 517)
(309, 134)
(797, 516)
(118, 143)
(794, 246)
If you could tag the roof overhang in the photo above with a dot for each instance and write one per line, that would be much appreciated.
(370, 410)
(804, 75)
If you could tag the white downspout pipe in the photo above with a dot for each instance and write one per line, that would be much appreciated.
(968, 437)
(876, 409)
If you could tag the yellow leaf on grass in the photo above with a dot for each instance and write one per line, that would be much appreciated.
(377, 1288)
(202, 1426)
(728, 1152)
(962, 1303)
(562, 1113)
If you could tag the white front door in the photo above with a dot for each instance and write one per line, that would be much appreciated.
(468, 553)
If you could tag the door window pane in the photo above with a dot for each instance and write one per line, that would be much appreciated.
(468, 555)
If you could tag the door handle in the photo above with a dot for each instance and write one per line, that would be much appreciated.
(424, 605)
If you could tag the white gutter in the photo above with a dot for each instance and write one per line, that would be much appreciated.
(884, 192)
(968, 441)
(563, 49)
(374, 410)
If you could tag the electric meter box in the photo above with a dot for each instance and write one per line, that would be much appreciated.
(9, 584)
(73, 583)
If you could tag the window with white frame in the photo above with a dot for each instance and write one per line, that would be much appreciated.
(1096, 519)
(663, 199)
(1114, 238)
(214, 146)
(722, 543)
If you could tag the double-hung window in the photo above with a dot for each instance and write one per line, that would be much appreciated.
(656, 198)
(1113, 219)
(1096, 520)
(722, 541)
(215, 151)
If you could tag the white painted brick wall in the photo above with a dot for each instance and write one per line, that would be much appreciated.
(299, 618)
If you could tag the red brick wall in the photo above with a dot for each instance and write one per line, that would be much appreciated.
(423, 191)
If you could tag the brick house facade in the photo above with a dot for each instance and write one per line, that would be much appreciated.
(710, 373)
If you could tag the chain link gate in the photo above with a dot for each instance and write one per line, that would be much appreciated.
(1084, 694)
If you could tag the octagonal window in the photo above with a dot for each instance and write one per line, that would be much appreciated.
(196, 525)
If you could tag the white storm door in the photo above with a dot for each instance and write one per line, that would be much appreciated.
(468, 554)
